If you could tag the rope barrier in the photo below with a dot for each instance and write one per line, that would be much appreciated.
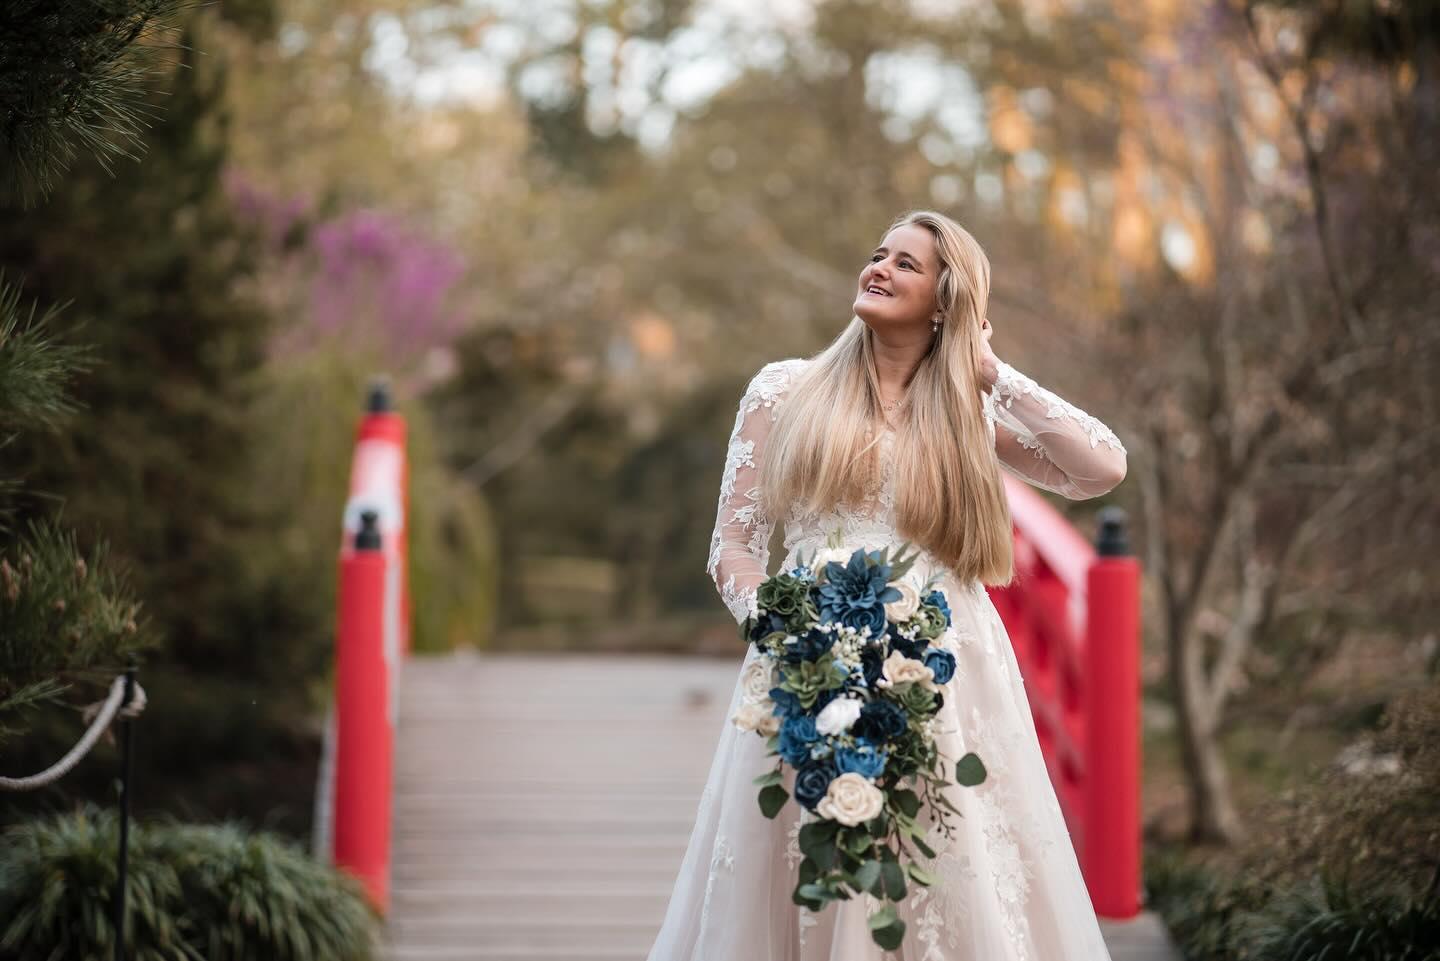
(104, 712)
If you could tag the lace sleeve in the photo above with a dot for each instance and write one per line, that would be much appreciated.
(1050, 443)
(740, 544)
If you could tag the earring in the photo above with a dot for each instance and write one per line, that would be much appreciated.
(935, 326)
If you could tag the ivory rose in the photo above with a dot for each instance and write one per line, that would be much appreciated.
(899, 669)
(757, 716)
(903, 609)
(758, 679)
(851, 800)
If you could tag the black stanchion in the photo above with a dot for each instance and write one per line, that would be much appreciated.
(127, 730)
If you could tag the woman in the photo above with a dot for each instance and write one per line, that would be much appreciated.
(897, 432)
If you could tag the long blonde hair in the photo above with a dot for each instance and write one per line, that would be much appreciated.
(949, 498)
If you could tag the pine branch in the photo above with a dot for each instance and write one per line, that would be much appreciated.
(35, 368)
(73, 72)
(62, 614)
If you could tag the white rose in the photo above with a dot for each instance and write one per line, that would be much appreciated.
(851, 800)
(837, 716)
(758, 716)
(905, 607)
(899, 669)
(757, 680)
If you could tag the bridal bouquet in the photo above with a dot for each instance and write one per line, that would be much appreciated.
(845, 688)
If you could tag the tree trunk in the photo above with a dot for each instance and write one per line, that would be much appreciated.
(1213, 816)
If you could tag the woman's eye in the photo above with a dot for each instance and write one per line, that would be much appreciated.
(874, 257)
(906, 263)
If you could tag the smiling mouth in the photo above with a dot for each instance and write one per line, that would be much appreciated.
(878, 292)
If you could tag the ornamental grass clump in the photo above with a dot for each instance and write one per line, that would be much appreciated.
(193, 892)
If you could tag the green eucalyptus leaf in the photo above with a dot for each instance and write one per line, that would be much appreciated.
(890, 936)
(969, 771)
(894, 880)
(883, 918)
(868, 877)
(919, 874)
(772, 799)
(816, 892)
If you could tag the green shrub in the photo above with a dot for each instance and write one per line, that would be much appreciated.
(1198, 904)
(1343, 866)
(193, 892)
(1324, 918)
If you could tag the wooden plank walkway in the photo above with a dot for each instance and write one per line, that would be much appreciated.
(543, 804)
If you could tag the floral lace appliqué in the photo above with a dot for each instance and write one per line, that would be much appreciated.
(722, 857)
(1010, 383)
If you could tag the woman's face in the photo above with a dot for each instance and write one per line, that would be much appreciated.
(897, 286)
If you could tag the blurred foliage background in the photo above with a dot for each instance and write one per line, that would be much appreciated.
(570, 230)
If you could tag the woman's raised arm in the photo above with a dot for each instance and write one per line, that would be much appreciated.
(1049, 442)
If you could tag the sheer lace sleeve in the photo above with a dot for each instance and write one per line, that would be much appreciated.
(740, 544)
(1049, 442)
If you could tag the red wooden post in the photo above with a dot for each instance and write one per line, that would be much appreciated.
(364, 743)
(1111, 856)
(380, 478)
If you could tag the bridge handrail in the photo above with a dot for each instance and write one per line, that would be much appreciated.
(1072, 614)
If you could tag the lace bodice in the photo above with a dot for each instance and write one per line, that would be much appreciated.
(1038, 437)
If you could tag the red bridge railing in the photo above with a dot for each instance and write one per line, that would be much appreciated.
(1073, 616)
(372, 636)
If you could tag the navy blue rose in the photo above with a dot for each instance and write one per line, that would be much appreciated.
(786, 703)
(942, 663)
(808, 646)
(797, 733)
(937, 599)
(863, 759)
(911, 648)
(872, 662)
(767, 623)
(856, 594)
(881, 721)
(825, 697)
(812, 780)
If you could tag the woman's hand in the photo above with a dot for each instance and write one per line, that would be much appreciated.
(989, 363)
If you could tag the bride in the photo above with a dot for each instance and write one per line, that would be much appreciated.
(897, 432)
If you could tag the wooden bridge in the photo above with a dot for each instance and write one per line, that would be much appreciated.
(542, 806)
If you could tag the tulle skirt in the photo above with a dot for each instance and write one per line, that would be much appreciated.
(1009, 885)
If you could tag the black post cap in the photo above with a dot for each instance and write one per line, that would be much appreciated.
(1112, 540)
(377, 400)
(367, 538)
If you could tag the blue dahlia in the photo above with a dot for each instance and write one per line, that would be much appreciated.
(856, 594)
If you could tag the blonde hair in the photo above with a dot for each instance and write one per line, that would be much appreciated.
(949, 497)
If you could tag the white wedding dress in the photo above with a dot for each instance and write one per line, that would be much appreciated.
(1009, 885)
